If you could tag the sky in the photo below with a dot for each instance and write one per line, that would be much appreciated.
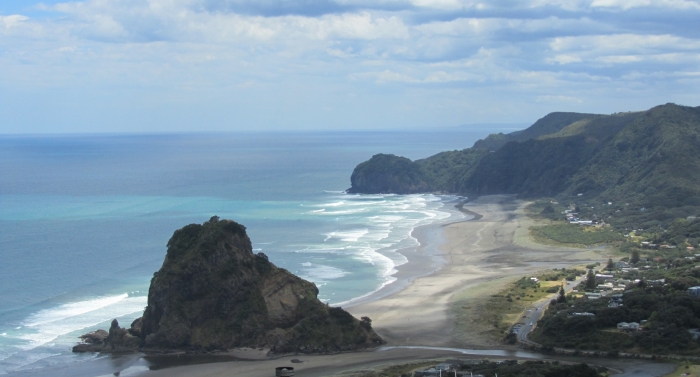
(230, 65)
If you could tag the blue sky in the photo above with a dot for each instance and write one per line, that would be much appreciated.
(229, 65)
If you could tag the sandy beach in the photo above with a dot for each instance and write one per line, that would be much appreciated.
(477, 258)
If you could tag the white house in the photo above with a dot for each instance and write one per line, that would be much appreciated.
(694, 292)
(628, 326)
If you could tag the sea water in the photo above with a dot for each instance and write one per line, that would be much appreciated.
(84, 220)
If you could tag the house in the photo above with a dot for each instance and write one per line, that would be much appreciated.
(695, 333)
(583, 314)
(592, 295)
(604, 278)
(694, 292)
(628, 326)
(614, 304)
(621, 264)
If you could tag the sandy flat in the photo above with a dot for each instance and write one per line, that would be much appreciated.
(481, 257)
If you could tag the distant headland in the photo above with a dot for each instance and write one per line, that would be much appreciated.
(647, 161)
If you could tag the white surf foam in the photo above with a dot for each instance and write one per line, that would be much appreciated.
(47, 325)
(322, 273)
(69, 310)
(348, 235)
(344, 212)
(375, 228)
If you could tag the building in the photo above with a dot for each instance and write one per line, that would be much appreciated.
(604, 278)
(695, 333)
(592, 295)
(628, 326)
(694, 292)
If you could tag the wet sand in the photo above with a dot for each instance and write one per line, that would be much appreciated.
(418, 310)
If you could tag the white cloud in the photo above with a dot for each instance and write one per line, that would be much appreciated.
(629, 4)
(550, 98)
(623, 42)
(516, 52)
(12, 21)
(564, 59)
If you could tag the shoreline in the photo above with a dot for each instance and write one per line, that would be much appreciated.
(422, 260)
(421, 308)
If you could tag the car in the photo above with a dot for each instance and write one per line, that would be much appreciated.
(530, 323)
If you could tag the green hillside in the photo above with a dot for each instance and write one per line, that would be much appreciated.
(549, 124)
(632, 169)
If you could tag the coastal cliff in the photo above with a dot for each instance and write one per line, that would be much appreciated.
(646, 160)
(214, 293)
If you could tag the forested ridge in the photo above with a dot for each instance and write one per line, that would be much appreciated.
(644, 166)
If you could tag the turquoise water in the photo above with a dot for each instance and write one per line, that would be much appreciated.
(84, 220)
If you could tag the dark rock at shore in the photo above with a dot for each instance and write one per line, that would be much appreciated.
(116, 340)
(213, 293)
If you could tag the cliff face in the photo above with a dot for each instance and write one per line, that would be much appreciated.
(213, 292)
(386, 173)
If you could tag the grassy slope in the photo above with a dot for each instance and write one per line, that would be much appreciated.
(550, 123)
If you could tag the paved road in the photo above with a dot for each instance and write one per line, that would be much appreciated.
(536, 310)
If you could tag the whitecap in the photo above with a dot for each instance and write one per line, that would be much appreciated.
(347, 236)
(322, 273)
(72, 309)
(345, 212)
(47, 325)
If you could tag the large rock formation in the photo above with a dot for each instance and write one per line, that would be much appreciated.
(214, 293)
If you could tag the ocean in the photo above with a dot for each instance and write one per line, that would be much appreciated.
(84, 220)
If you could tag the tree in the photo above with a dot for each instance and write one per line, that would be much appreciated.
(635, 257)
(366, 322)
(562, 295)
(611, 265)
(590, 279)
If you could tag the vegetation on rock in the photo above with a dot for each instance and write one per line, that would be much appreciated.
(634, 170)
(214, 293)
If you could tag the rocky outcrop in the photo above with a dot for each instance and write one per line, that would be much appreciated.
(214, 293)
(387, 173)
(116, 340)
